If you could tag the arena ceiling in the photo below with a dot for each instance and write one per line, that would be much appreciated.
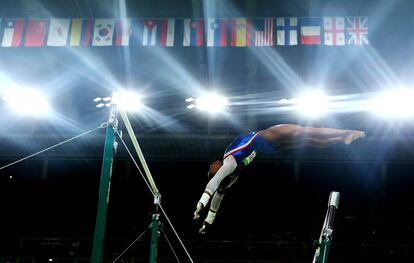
(254, 79)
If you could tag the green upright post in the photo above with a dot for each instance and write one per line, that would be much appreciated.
(104, 188)
(155, 231)
(324, 250)
(325, 239)
(156, 224)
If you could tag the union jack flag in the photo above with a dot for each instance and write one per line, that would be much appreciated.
(357, 30)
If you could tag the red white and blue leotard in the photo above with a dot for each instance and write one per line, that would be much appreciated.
(244, 148)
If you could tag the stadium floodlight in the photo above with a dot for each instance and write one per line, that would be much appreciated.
(212, 103)
(27, 102)
(130, 101)
(312, 104)
(191, 106)
(126, 100)
(100, 102)
(396, 103)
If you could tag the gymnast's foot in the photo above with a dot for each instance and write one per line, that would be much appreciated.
(353, 136)
(204, 228)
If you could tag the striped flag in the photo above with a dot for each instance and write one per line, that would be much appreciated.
(167, 32)
(58, 32)
(36, 33)
(12, 32)
(149, 34)
(262, 34)
(241, 29)
(217, 32)
(137, 27)
(334, 31)
(81, 32)
(193, 32)
(123, 32)
(310, 30)
(287, 31)
(158, 32)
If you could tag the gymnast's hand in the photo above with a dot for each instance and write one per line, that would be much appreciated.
(198, 210)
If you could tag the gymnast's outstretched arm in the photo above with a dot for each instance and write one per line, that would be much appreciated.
(211, 215)
(228, 167)
(216, 201)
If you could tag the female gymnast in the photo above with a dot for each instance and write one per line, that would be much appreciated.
(243, 150)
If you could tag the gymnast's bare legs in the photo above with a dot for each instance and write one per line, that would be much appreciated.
(291, 136)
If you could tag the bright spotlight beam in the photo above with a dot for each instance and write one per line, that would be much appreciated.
(212, 103)
(128, 100)
(27, 102)
(397, 103)
(312, 104)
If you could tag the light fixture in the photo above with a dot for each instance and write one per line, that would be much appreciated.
(27, 102)
(395, 103)
(130, 101)
(312, 104)
(212, 103)
(127, 100)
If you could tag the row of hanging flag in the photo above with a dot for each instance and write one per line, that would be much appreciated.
(169, 32)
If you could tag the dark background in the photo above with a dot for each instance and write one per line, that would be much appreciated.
(276, 210)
